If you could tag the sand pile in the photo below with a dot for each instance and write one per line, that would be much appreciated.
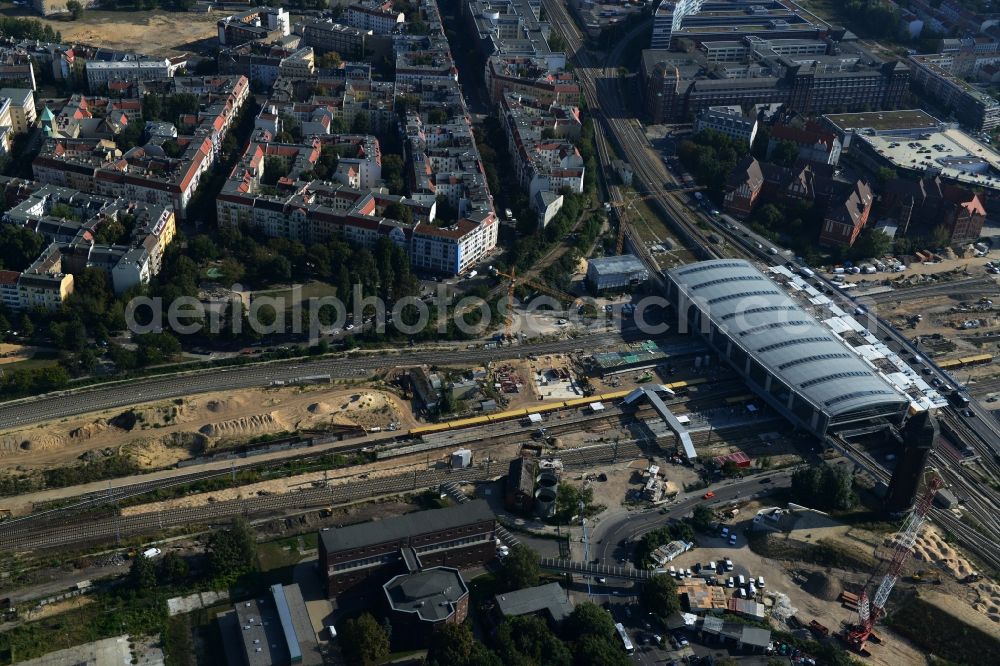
(242, 427)
(988, 602)
(37, 441)
(822, 586)
(223, 404)
(320, 408)
(930, 547)
(89, 430)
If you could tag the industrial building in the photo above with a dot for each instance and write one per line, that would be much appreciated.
(799, 367)
(273, 630)
(459, 536)
(619, 273)
(549, 601)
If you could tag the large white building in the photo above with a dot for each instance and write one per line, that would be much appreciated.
(381, 19)
(728, 120)
(667, 19)
(99, 73)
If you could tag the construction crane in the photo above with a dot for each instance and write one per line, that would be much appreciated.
(514, 281)
(872, 607)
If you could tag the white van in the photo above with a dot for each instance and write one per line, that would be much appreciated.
(742, 580)
(753, 590)
(760, 582)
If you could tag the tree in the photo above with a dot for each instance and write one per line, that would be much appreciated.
(19, 247)
(360, 124)
(519, 569)
(872, 243)
(589, 619)
(329, 60)
(784, 153)
(600, 651)
(364, 641)
(75, 9)
(730, 468)
(232, 552)
(659, 596)
(527, 639)
(454, 645)
(703, 518)
(142, 575)
(173, 569)
(437, 116)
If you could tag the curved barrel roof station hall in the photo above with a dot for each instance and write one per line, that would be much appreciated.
(787, 356)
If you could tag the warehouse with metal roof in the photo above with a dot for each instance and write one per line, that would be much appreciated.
(789, 358)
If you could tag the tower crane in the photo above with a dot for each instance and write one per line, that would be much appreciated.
(871, 607)
(516, 280)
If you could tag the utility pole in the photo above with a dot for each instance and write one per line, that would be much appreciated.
(586, 547)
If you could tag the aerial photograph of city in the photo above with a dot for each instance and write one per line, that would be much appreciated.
(500, 332)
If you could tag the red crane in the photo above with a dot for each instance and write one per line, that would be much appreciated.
(872, 608)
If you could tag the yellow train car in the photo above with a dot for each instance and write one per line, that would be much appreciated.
(617, 395)
(978, 359)
(580, 402)
(950, 364)
(429, 429)
(548, 407)
(469, 422)
(738, 399)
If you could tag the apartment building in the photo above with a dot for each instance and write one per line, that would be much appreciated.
(132, 68)
(146, 173)
(530, 76)
(130, 263)
(540, 138)
(511, 28)
(43, 285)
(257, 24)
(16, 68)
(324, 35)
(728, 120)
(367, 554)
(262, 64)
(378, 17)
(974, 109)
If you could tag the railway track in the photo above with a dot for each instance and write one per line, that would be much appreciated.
(984, 547)
(955, 288)
(114, 528)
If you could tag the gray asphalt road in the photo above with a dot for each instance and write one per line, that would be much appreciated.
(609, 533)
(63, 404)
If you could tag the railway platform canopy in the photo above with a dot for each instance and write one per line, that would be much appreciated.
(798, 366)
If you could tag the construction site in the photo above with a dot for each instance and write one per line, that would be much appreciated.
(648, 428)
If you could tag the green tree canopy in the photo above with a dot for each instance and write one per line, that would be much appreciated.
(519, 569)
(527, 640)
(232, 552)
(364, 641)
(454, 645)
(589, 619)
(659, 596)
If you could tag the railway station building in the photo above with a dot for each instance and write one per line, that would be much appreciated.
(793, 362)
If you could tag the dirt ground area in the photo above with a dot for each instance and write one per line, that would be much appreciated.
(162, 433)
(812, 590)
(974, 265)
(374, 470)
(152, 32)
(13, 353)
